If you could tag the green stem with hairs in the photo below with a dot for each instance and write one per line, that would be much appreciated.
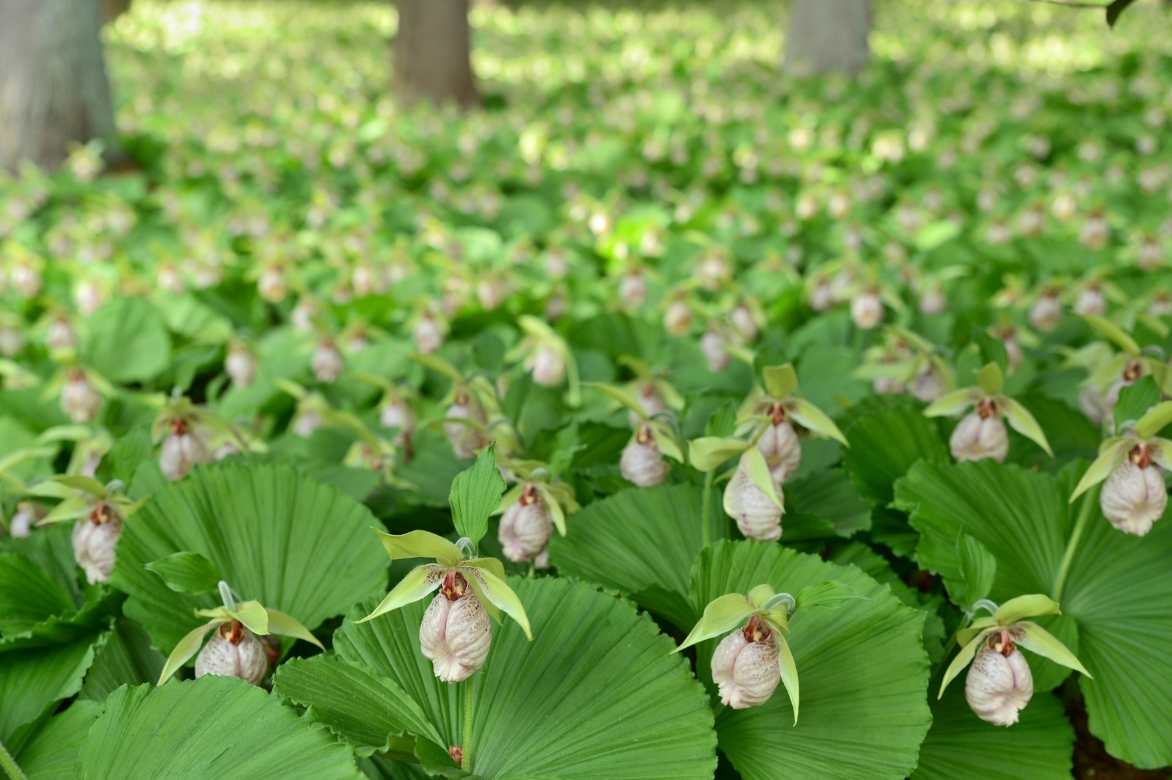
(706, 509)
(1084, 516)
(9, 764)
(466, 761)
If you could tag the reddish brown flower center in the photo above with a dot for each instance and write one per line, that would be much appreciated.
(756, 630)
(1002, 643)
(454, 586)
(643, 435)
(233, 631)
(1133, 371)
(529, 495)
(179, 426)
(776, 413)
(1140, 455)
(986, 408)
(102, 513)
(457, 754)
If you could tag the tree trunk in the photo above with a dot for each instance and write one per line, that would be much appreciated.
(432, 54)
(112, 9)
(828, 35)
(53, 86)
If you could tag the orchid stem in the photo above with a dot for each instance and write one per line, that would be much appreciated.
(466, 759)
(706, 509)
(1084, 515)
(10, 766)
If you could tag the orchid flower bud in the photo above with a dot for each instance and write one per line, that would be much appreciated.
(757, 516)
(821, 297)
(88, 296)
(327, 362)
(744, 322)
(780, 445)
(928, 385)
(1093, 404)
(633, 290)
(240, 365)
(1131, 373)
(525, 527)
(1090, 300)
(547, 366)
(233, 651)
(455, 632)
(21, 523)
(183, 448)
(932, 301)
(307, 421)
(715, 350)
(11, 341)
(1134, 496)
(465, 439)
(980, 434)
(641, 462)
(60, 335)
(303, 314)
(428, 335)
(79, 399)
(745, 666)
(999, 684)
(271, 286)
(867, 310)
(397, 413)
(1046, 312)
(886, 385)
(678, 318)
(651, 402)
(94, 539)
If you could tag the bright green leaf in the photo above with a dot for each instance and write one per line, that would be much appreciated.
(474, 495)
(186, 572)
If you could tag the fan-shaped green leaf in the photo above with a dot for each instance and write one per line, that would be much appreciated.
(365, 709)
(126, 340)
(52, 752)
(596, 694)
(959, 744)
(886, 437)
(643, 543)
(32, 679)
(862, 668)
(212, 727)
(124, 656)
(275, 536)
(1115, 589)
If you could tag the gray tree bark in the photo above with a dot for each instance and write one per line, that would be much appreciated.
(432, 52)
(828, 35)
(53, 86)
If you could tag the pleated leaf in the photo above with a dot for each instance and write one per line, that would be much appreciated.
(1114, 602)
(643, 542)
(887, 436)
(212, 727)
(274, 535)
(861, 665)
(596, 694)
(367, 710)
(53, 751)
(33, 679)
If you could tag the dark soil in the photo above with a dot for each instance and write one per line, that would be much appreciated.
(1091, 759)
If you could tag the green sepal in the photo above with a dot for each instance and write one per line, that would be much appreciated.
(1024, 423)
(815, 419)
(620, 395)
(1154, 420)
(978, 626)
(287, 625)
(780, 381)
(708, 452)
(789, 672)
(1022, 607)
(758, 470)
(665, 440)
(963, 658)
(722, 615)
(187, 647)
(1111, 454)
(420, 544)
(952, 403)
(557, 515)
(417, 584)
(498, 593)
(1036, 639)
(1113, 333)
(990, 379)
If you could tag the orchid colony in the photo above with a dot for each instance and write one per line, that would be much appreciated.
(739, 330)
